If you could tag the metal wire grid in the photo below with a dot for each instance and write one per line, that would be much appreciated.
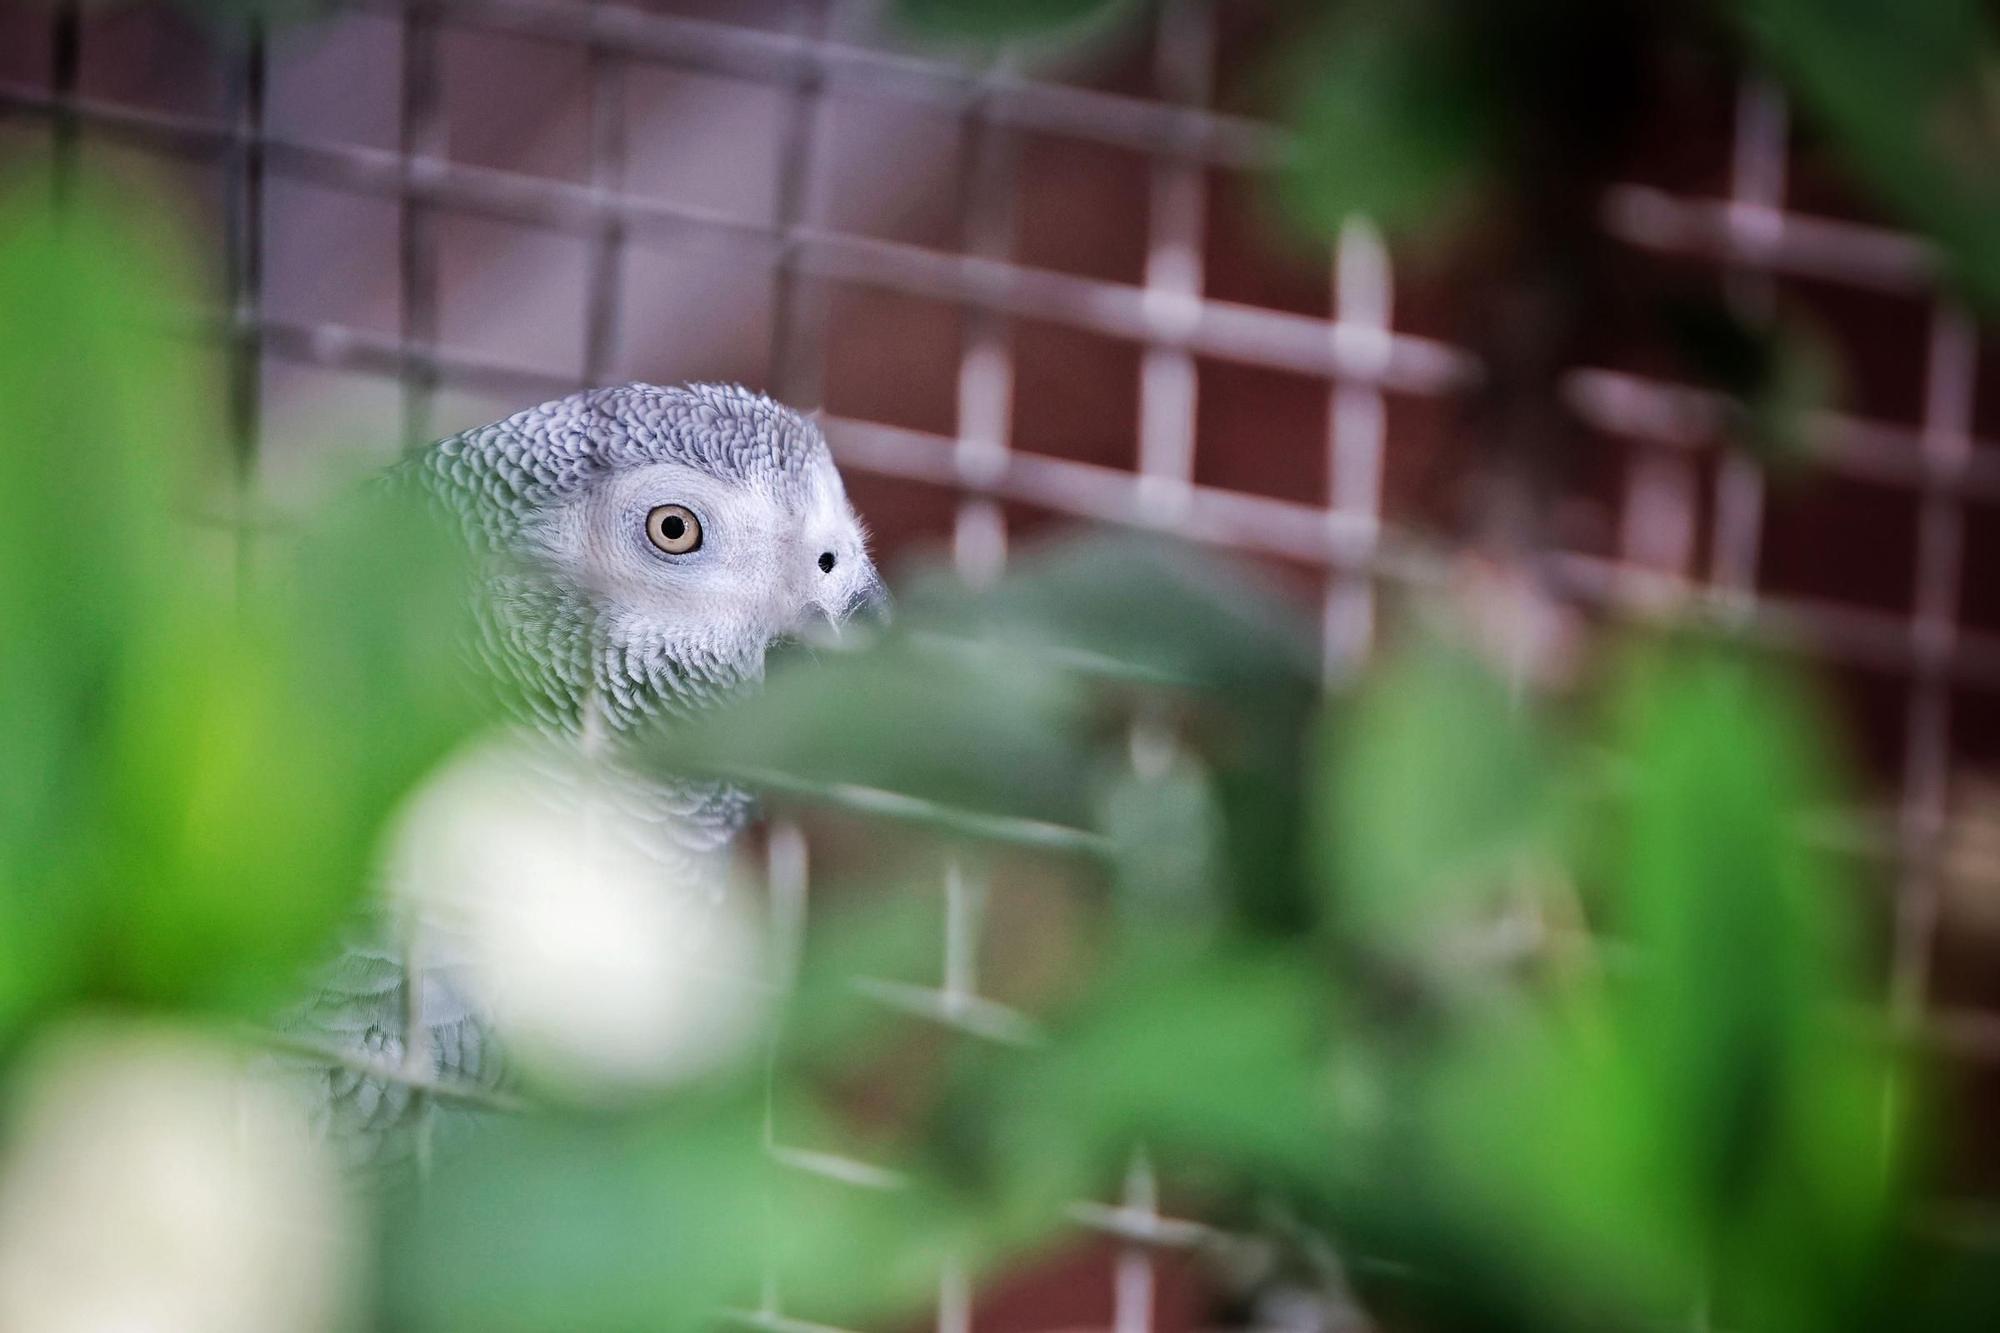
(1359, 353)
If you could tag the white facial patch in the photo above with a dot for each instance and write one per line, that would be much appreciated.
(767, 563)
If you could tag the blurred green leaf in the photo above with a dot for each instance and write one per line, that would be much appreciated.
(1935, 1283)
(831, 1024)
(1138, 615)
(1129, 609)
(1906, 94)
(1768, 1102)
(1166, 833)
(1726, 906)
(196, 764)
(660, 1221)
(105, 425)
(1391, 119)
(585, 1225)
(262, 740)
(1209, 1054)
(1436, 787)
(1540, 1161)
(1704, 1121)
(995, 701)
(863, 1255)
(978, 726)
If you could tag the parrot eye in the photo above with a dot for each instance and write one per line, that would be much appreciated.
(674, 529)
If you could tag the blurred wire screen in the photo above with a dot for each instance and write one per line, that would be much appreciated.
(1020, 293)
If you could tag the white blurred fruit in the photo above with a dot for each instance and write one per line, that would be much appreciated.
(149, 1187)
(609, 959)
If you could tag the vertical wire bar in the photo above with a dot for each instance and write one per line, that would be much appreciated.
(1133, 1280)
(1757, 185)
(986, 218)
(787, 859)
(1357, 429)
(65, 74)
(606, 75)
(420, 149)
(1946, 441)
(964, 911)
(954, 1307)
(244, 243)
(420, 144)
(1184, 68)
(787, 872)
(986, 362)
(798, 314)
(1657, 531)
(1168, 381)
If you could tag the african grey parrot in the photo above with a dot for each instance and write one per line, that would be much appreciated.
(640, 548)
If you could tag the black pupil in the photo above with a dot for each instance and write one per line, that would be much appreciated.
(672, 527)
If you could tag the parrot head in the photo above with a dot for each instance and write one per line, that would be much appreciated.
(645, 547)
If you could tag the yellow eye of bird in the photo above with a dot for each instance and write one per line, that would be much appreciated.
(674, 529)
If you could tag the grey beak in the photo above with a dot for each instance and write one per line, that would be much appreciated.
(853, 623)
(870, 604)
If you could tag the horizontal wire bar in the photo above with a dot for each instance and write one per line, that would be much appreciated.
(1617, 402)
(1143, 1227)
(1857, 636)
(1304, 532)
(840, 1168)
(1231, 519)
(1036, 834)
(1241, 521)
(791, 59)
(1773, 239)
(1666, 412)
(974, 1014)
(768, 1322)
(388, 1071)
(1257, 524)
(1226, 330)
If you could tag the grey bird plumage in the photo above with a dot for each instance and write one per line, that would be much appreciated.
(593, 619)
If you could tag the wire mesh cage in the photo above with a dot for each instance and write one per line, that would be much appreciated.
(1018, 293)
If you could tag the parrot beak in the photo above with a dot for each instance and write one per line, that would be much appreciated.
(870, 605)
(853, 620)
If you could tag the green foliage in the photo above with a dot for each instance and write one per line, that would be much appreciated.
(1771, 1113)
(197, 762)
(1725, 903)
(1571, 1134)
(1165, 833)
(661, 1218)
(1905, 94)
(1439, 796)
(899, 727)
(652, 1222)
(1391, 119)
(1697, 1127)
(1206, 1052)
